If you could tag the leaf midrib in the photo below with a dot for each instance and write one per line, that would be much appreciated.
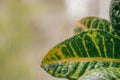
(81, 60)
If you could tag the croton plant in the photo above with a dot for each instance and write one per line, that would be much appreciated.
(93, 53)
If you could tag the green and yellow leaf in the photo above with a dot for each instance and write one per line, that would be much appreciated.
(85, 51)
(93, 53)
(93, 23)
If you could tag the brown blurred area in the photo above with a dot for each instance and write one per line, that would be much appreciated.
(29, 28)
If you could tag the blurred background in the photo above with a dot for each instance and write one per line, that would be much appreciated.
(29, 28)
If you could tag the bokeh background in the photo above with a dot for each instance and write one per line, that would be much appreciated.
(29, 28)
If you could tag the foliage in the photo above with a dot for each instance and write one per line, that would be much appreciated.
(92, 53)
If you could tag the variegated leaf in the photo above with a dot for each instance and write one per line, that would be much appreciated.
(85, 51)
(102, 74)
(93, 23)
(115, 15)
(92, 54)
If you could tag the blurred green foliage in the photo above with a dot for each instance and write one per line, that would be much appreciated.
(16, 35)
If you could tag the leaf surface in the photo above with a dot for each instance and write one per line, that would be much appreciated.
(115, 15)
(102, 74)
(93, 23)
(85, 51)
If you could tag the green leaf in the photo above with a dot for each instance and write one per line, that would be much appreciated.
(92, 54)
(115, 15)
(102, 74)
(93, 23)
(85, 51)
